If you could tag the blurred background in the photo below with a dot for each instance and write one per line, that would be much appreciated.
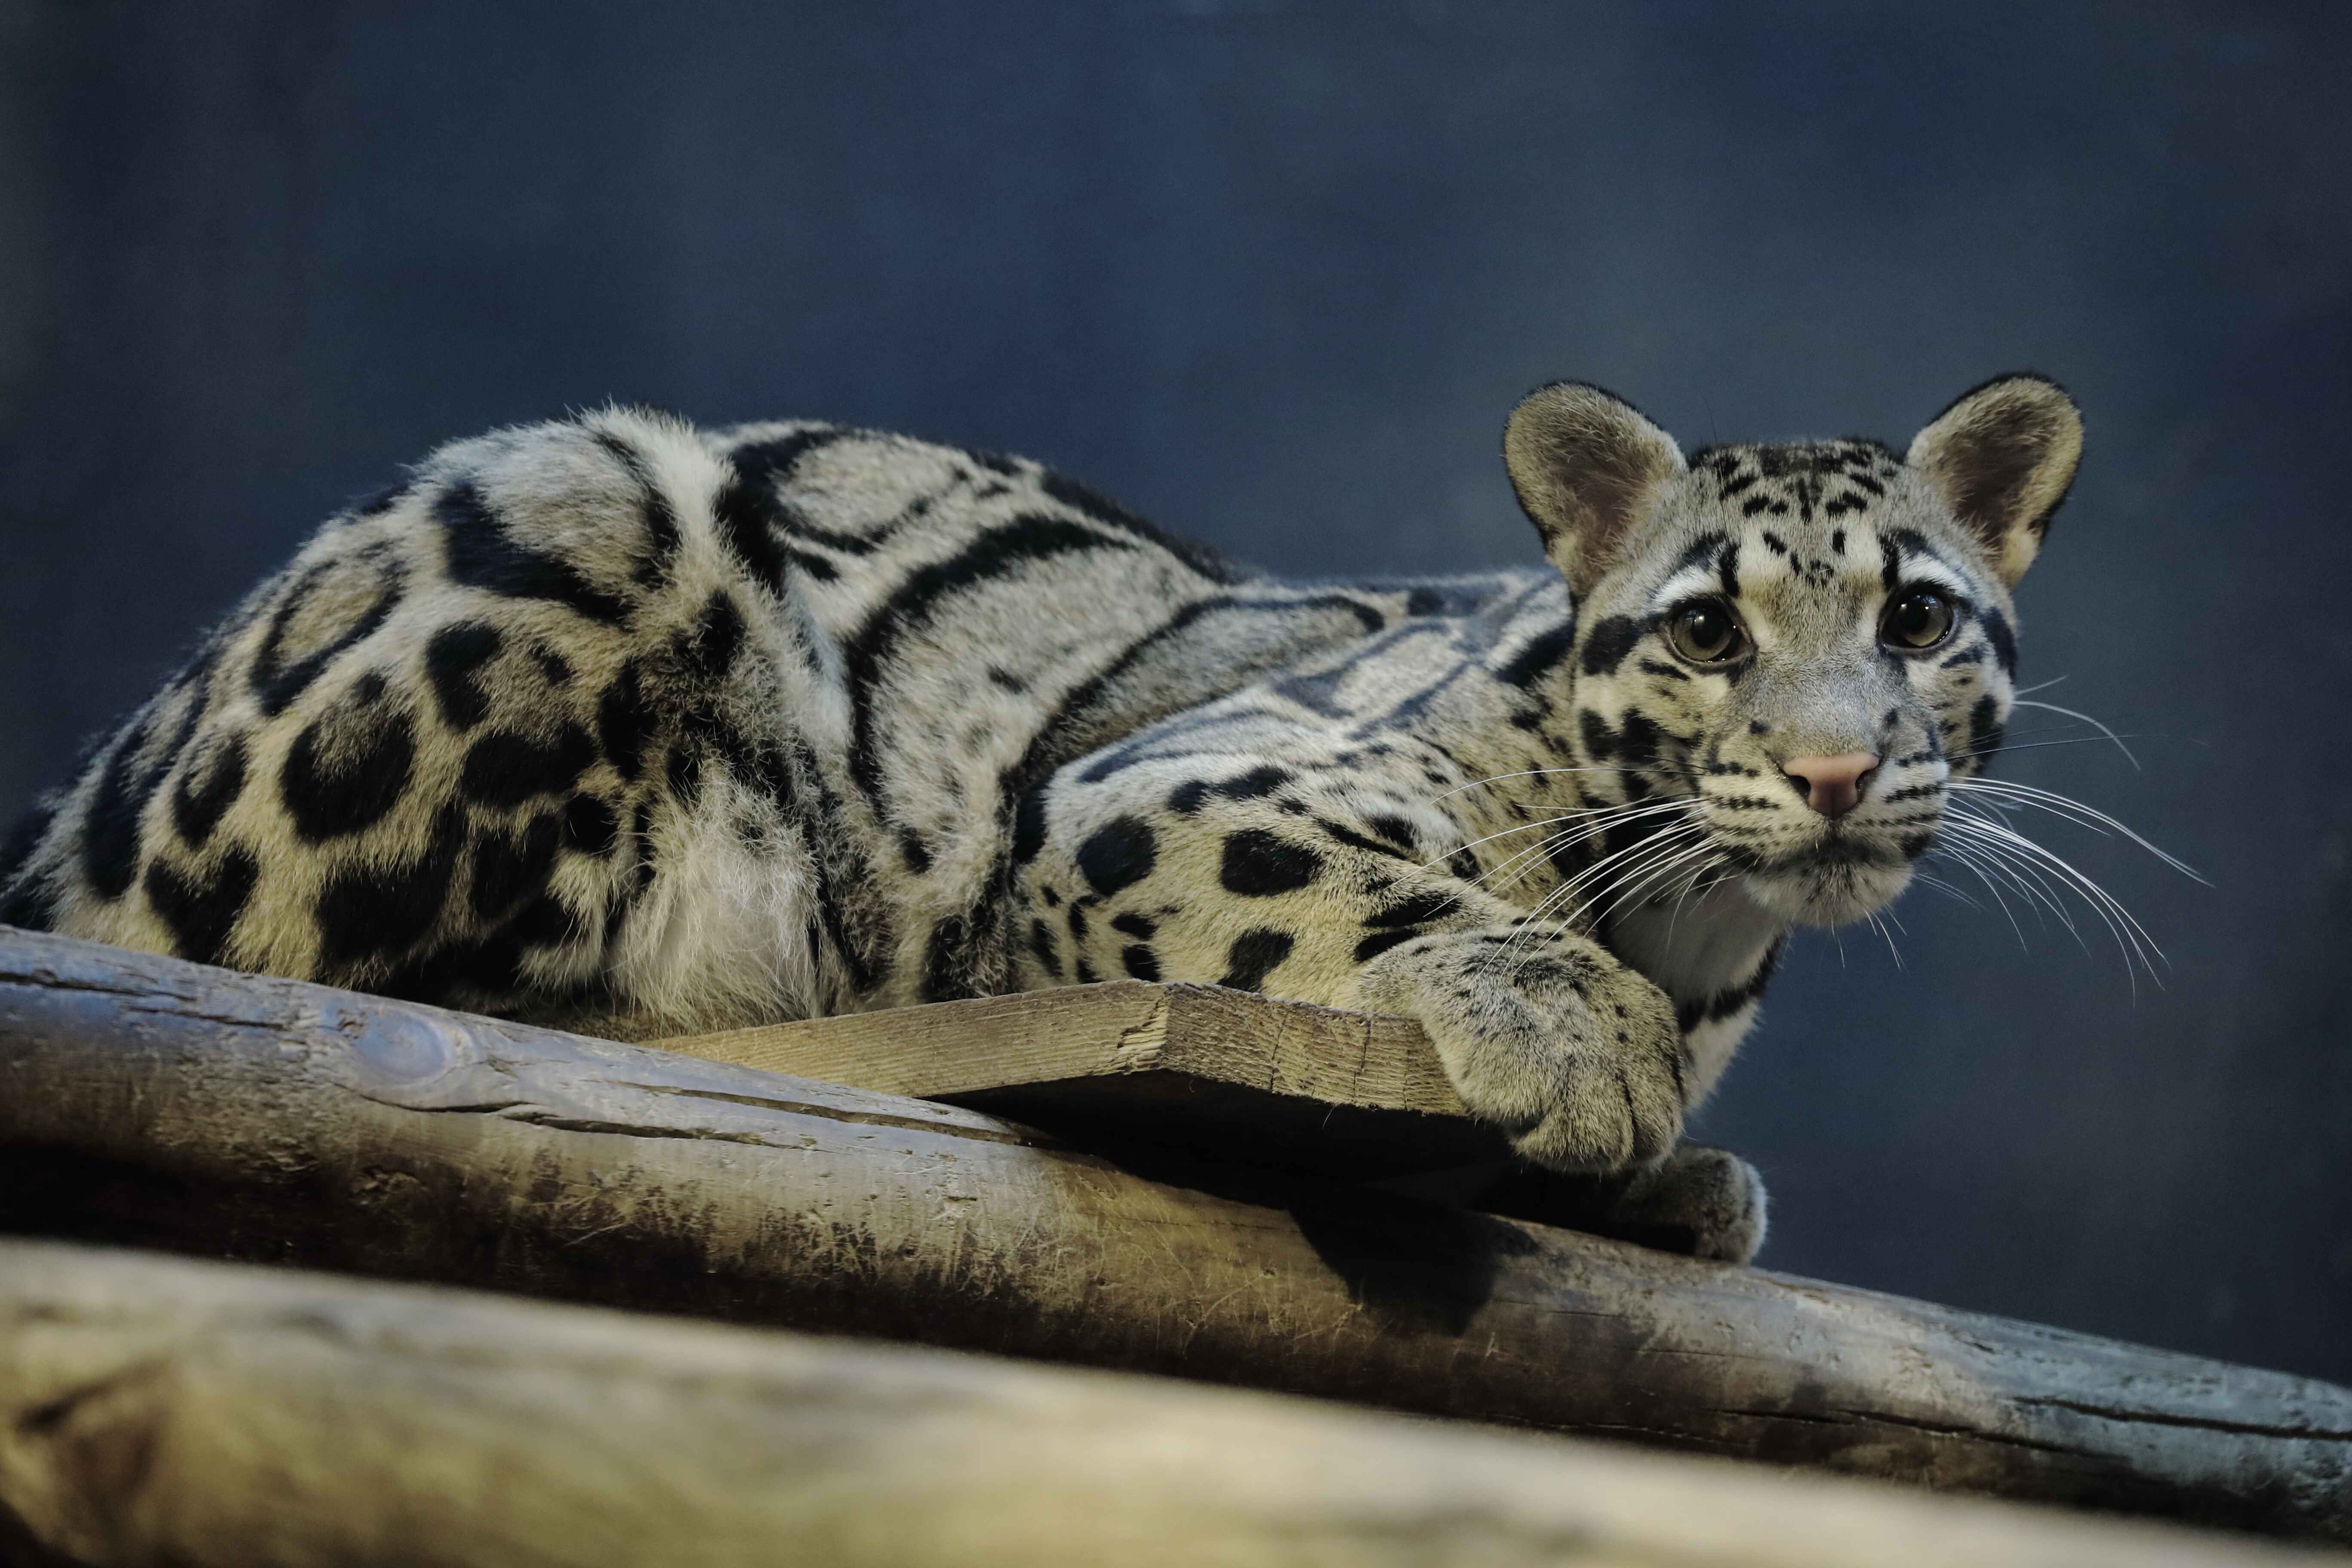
(1273, 273)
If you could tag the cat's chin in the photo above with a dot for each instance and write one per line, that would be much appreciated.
(1827, 894)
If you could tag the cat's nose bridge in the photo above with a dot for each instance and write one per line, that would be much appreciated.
(1832, 786)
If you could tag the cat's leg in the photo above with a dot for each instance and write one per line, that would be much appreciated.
(1325, 888)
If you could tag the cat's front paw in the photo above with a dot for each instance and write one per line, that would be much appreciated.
(1575, 1057)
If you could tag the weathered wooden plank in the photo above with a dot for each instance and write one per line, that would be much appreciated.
(147, 1100)
(1217, 1073)
(156, 1411)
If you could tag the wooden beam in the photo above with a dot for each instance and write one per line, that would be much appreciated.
(159, 1410)
(1215, 1073)
(155, 1103)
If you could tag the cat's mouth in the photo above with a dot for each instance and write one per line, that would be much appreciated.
(1846, 874)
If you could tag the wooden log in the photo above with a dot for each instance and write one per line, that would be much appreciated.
(1214, 1073)
(151, 1101)
(157, 1411)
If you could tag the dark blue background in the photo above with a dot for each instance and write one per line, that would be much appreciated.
(1273, 273)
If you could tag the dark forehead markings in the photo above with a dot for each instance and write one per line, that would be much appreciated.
(1700, 549)
(1774, 543)
(1726, 567)
(1896, 545)
(1837, 543)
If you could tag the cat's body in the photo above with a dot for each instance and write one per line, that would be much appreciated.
(700, 729)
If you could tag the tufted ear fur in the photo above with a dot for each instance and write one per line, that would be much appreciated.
(1587, 468)
(2001, 458)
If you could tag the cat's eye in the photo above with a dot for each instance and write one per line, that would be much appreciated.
(1706, 631)
(1918, 618)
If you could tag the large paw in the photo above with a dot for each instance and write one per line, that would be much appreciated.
(1575, 1057)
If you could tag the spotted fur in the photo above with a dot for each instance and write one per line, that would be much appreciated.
(688, 729)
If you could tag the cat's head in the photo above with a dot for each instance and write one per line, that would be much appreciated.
(1806, 642)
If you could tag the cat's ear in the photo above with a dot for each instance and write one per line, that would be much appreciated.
(1588, 469)
(2001, 458)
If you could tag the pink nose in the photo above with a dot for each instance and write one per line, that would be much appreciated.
(1832, 784)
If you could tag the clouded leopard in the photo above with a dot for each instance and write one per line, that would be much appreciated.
(707, 728)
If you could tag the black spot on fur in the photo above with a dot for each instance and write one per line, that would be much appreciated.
(1600, 740)
(1029, 827)
(623, 723)
(1189, 796)
(545, 922)
(205, 791)
(817, 566)
(203, 911)
(482, 555)
(507, 870)
(653, 512)
(1395, 829)
(1255, 955)
(708, 652)
(1085, 974)
(590, 827)
(1256, 783)
(1117, 854)
(2003, 640)
(1379, 942)
(1541, 656)
(1041, 943)
(369, 911)
(1606, 646)
(1136, 926)
(346, 771)
(946, 961)
(1140, 961)
(913, 851)
(553, 665)
(1257, 864)
(453, 661)
(1638, 742)
(277, 682)
(1985, 729)
(1412, 910)
(504, 769)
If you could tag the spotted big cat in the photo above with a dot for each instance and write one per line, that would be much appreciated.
(688, 729)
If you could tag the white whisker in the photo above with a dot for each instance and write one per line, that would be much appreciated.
(2019, 701)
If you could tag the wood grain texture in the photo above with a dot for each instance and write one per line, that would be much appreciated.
(1200, 1069)
(150, 1101)
(155, 1411)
